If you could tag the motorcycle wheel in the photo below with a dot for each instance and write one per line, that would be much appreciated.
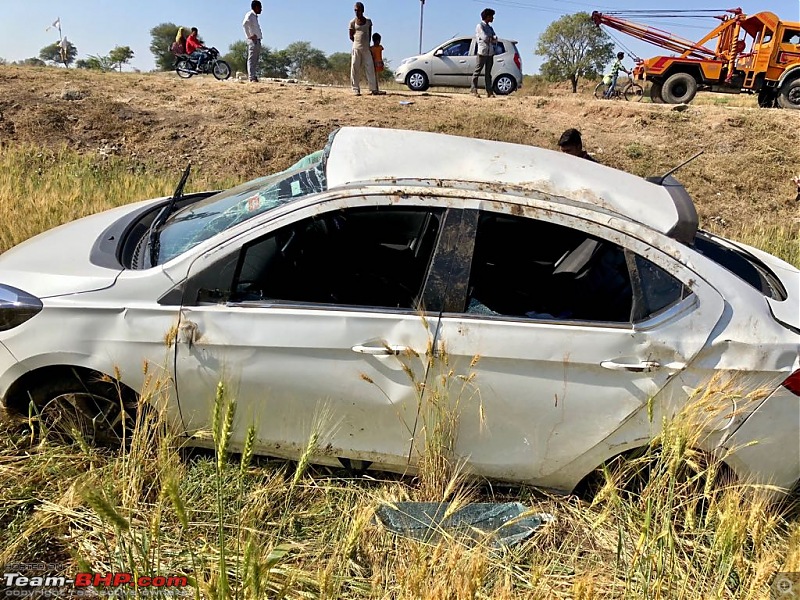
(221, 70)
(184, 69)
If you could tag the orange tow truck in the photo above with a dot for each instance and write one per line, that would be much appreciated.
(756, 53)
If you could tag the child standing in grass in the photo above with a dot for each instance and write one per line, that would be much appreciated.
(377, 56)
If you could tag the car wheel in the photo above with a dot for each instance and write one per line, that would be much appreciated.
(504, 85)
(221, 70)
(417, 81)
(789, 94)
(94, 409)
(655, 92)
(184, 69)
(679, 88)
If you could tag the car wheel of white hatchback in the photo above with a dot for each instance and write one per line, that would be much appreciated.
(504, 85)
(417, 81)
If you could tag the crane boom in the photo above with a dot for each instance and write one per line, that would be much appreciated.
(664, 39)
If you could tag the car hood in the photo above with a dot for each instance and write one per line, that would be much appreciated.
(56, 262)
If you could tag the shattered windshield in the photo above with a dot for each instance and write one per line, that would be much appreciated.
(203, 220)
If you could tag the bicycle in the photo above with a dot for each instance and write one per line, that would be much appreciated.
(632, 91)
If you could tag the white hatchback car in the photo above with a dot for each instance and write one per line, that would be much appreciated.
(340, 286)
(453, 63)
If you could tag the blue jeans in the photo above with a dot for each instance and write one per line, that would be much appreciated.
(200, 56)
(612, 87)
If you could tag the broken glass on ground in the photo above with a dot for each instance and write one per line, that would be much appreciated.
(503, 524)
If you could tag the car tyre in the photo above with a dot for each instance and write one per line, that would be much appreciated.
(93, 408)
(679, 88)
(789, 94)
(417, 81)
(504, 85)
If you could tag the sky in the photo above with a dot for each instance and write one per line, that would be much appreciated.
(97, 26)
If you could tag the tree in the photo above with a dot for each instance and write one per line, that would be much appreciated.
(161, 39)
(120, 55)
(31, 62)
(301, 55)
(52, 54)
(2, 61)
(273, 63)
(339, 62)
(237, 56)
(574, 47)
(96, 63)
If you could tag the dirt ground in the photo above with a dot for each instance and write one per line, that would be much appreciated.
(238, 131)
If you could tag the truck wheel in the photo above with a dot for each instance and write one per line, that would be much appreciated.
(655, 92)
(766, 98)
(789, 94)
(679, 88)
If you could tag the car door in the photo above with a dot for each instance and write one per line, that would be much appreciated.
(315, 324)
(556, 343)
(452, 64)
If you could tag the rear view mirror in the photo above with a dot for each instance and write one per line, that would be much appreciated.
(439, 52)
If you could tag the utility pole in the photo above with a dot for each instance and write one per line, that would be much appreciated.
(421, 16)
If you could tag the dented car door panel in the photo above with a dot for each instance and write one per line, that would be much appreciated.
(544, 389)
(301, 359)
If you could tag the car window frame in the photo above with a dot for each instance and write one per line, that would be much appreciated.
(230, 250)
(463, 265)
(441, 52)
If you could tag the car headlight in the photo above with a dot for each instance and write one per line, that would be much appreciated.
(16, 307)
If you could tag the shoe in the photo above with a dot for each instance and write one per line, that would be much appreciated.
(254, 80)
(356, 93)
(475, 93)
(377, 93)
(490, 95)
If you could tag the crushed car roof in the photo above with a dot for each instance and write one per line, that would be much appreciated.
(363, 155)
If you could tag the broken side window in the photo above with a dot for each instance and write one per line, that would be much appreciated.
(524, 267)
(376, 256)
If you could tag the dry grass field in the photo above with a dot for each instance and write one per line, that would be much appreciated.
(73, 143)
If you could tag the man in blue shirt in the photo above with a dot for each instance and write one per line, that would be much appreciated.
(484, 34)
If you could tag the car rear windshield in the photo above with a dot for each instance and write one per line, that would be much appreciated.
(203, 220)
(741, 263)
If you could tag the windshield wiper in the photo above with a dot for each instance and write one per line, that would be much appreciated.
(163, 215)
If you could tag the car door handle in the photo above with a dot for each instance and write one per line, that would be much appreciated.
(463, 61)
(644, 366)
(385, 350)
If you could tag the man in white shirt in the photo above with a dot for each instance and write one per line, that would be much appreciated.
(486, 38)
(252, 31)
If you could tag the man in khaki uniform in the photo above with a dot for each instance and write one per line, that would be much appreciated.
(361, 57)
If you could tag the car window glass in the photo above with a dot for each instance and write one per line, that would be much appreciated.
(375, 256)
(529, 268)
(202, 220)
(654, 289)
(499, 48)
(459, 48)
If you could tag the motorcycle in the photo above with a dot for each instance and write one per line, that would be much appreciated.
(186, 66)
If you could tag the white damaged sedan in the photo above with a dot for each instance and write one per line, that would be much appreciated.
(569, 301)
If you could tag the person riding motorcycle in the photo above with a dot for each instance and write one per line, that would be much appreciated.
(196, 49)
